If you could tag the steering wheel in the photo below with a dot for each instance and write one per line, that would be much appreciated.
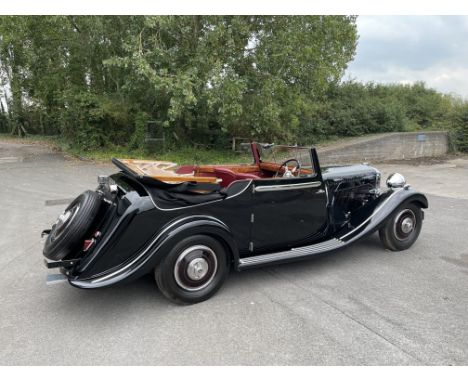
(287, 172)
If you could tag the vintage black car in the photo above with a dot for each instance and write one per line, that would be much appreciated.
(189, 225)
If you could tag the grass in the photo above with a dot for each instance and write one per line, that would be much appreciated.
(183, 155)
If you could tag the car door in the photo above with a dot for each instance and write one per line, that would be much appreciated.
(287, 212)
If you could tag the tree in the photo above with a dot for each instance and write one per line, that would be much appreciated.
(246, 75)
(201, 78)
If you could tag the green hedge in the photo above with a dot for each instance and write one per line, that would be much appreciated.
(460, 127)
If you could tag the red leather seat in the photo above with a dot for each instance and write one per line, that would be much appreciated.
(185, 169)
(244, 175)
(228, 176)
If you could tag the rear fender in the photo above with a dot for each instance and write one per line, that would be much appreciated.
(194, 225)
(163, 242)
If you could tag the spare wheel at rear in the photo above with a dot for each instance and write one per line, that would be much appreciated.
(72, 226)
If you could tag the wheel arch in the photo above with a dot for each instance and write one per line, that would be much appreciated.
(169, 235)
(203, 225)
(416, 198)
(390, 202)
(189, 226)
(401, 197)
(420, 202)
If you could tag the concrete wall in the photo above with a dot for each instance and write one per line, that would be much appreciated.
(388, 146)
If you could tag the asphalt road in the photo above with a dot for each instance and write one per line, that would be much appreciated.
(360, 306)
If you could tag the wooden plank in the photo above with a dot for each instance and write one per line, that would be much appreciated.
(164, 171)
(185, 178)
(233, 167)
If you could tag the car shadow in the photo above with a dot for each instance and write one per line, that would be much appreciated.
(143, 293)
(356, 252)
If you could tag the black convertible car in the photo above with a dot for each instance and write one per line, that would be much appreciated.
(191, 224)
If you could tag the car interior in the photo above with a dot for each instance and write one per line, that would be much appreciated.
(269, 161)
(281, 161)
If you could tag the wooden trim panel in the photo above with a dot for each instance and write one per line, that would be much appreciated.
(233, 167)
(164, 171)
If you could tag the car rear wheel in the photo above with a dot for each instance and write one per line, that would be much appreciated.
(193, 271)
(72, 226)
(402, 228)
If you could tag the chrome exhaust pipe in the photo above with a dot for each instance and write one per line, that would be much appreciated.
(56, 278)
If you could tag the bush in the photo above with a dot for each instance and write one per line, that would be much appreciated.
(460, 128)
(137, 140)
(94, 121)
(354, 109)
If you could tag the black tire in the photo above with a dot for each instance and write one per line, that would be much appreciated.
(71, 228)
(190, 258)
(402, 228)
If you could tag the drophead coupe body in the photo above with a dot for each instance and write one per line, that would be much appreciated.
(191, 224)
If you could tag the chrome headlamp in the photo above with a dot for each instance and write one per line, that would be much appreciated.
(396, 180)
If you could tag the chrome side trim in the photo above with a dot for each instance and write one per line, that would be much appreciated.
(284, 187)
(292, 253)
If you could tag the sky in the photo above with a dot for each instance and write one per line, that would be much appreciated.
(405, 49)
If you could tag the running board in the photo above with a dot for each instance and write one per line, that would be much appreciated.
(293, 253)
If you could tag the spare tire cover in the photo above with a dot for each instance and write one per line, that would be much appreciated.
(72, 226)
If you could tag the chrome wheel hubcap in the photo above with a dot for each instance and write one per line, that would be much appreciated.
(195, 267)
(405, 224)
(63, 221)
(64, 217)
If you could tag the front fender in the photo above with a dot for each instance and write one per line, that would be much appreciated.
(164, 241)
(375, 214)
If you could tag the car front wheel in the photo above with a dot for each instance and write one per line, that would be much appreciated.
(402, 228)
(193, 270)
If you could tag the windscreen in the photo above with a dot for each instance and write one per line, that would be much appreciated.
(278, 154)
